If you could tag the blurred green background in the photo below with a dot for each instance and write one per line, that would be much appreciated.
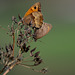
(58, 47)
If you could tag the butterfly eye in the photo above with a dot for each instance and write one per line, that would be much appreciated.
(35, 7)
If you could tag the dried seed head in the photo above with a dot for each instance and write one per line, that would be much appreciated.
(37, 61)
(36, 54)
(27, 48)
(14, 19)
(23, 48)
(6, 47)
(31, 52)
(19, 17)
(44, 70)
(11, 47)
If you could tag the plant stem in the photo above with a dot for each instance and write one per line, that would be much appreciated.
(9, 69)
(29, 68)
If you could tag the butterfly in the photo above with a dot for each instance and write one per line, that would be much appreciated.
(35, 17)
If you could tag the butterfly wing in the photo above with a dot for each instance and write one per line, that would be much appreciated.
(43, 30)
(35, 7)
(34, 16)
(36, 19)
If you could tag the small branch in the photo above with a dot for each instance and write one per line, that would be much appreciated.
(27, 65)
(9, 69)
(3, 69)
(29, 68)
(29, 61)
(26, 57)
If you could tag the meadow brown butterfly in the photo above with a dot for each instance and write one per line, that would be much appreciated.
(34, 16)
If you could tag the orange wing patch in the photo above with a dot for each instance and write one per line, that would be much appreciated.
(35, 7)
